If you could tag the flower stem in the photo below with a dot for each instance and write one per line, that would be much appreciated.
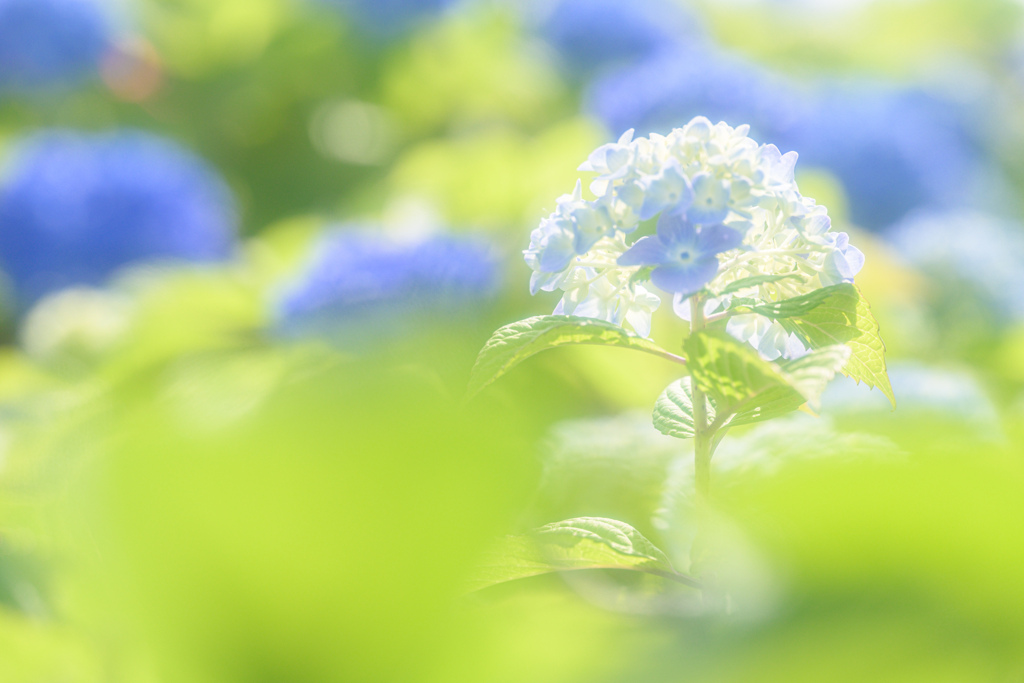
(704, 435)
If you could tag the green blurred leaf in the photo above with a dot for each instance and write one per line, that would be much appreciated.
(733, 374)
(844, 317)
(512, 344)
(751, 281)
(798, 305)
(807, 377)
(673, 411)
(579, 543)
(642, 275)
(750, 389)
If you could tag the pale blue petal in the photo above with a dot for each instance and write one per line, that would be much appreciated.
(675, 230)
(646, 251)
(687, 279)
(714, 239)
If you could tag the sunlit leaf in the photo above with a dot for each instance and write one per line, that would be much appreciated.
(798, 305)
(673, 411)
(807, 378)
(512, 344)
(579, 543)
(732, 373)
(751, 281)
(749, 388)
(844, 317)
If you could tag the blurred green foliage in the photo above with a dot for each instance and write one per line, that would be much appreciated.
(195, 499)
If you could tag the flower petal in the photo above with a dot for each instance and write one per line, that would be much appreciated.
(687, 279)
(674, 230)
(646, 251)
(714, 239)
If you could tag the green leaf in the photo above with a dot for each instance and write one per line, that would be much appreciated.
(751, 281)
(673, 411)
(733, 374)
(798, 305)
(512, 344)
(806, 377)
(811, 373)
(746, 388)
(642, 275)
(844, 317)
(580, 543)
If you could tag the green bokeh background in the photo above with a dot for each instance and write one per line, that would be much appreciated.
(198, 502)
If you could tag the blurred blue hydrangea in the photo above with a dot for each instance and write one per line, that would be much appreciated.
(951, 395)
(893, 150)
(76, 207)
(385, 18)
(968, 247)
(671, 88)
(592, 34)
(360, 284)
(49, 43)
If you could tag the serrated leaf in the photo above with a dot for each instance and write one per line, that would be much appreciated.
(579, 543)
(798, 305)
(751, 281)
(807, 378)
(673, 411)
(844, 317)
(512, 344)
(750, 389)
(811, 373)
(732, 373)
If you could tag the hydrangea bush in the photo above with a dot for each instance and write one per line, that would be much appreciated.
(359, 285)
(715, 221)
(46, 44)
(75, 208)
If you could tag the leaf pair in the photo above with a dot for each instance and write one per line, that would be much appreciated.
(836, 315)
(740, 386)
(512, 344)
(823, 319)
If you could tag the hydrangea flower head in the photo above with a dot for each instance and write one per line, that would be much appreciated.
(727, 209)
(74, 208)
(49, 43)
(358, 282)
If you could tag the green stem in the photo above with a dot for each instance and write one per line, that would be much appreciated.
(704, 437)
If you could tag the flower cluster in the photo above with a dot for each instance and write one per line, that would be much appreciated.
(727, 209)
(358, 281)
(77, 207)
(47, 43)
